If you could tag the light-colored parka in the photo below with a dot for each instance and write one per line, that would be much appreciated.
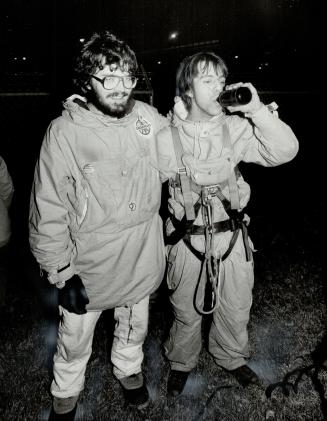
(95, 201)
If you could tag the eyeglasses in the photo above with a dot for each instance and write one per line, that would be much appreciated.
(110, 82)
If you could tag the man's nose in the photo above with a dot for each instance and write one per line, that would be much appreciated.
(120, 82)
(217, 87)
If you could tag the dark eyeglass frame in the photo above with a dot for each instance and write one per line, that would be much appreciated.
(118, 79)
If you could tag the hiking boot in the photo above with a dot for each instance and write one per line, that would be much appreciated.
(63, 409)
(176, 382)
(135, 391)
(245, 375)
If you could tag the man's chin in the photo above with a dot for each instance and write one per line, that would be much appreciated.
(113, 107)
(116, 109)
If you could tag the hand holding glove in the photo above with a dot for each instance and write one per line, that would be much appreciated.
(73, 296)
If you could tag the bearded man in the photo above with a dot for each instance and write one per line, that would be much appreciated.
(95, 229)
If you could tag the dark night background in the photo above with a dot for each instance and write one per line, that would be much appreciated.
(275, 44)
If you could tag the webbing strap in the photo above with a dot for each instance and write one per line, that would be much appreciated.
(201, 256)
(181, 227)
(184, 179)
(232, 182)
(205, 292)
(233, 192)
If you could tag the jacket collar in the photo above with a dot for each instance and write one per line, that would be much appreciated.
(194, 128)
(76, 109)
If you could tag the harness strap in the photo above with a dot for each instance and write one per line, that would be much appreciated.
(232, 181)
(221, 226)
(182, 226)
(201, 256)
(184, 179)
(248, 252)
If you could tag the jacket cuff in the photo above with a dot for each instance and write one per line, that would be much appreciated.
(60, 276)
(258, 113)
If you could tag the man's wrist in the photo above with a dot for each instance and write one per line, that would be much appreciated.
(60, 275)
(60, 284)
(253, 114)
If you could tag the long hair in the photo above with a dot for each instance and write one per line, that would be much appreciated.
(189, 69)
(103, 48)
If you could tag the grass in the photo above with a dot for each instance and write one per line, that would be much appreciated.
(288, 321)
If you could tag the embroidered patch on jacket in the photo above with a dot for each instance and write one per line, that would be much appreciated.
(143, 126)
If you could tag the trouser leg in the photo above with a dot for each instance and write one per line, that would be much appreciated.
(129, 335)
(74, 347)
(184, 343)
(228, 337)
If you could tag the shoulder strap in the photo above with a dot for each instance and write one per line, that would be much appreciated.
(184, 179)
(232, 181)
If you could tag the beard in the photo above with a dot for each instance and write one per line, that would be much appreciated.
(113, 109)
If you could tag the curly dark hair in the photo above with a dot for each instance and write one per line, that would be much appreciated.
(189, 69)
(101, 49)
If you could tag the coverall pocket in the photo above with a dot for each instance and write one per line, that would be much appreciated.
(174, 264)
(238, 280)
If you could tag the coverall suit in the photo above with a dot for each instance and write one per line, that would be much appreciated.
(94, 212)
(210, 152)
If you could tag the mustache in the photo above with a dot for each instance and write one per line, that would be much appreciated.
(117, 94)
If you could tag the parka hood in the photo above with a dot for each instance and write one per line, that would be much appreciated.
(179, 119)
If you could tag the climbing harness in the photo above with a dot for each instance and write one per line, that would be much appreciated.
(211, 266)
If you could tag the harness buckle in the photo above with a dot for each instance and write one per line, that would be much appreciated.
(182, 171)
(209, 192)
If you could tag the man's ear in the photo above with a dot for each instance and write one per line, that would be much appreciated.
(189, 93)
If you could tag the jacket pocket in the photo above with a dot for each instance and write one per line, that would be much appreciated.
(101, 190)
(74, 195)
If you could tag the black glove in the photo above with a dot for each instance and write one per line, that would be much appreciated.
(73, 296)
